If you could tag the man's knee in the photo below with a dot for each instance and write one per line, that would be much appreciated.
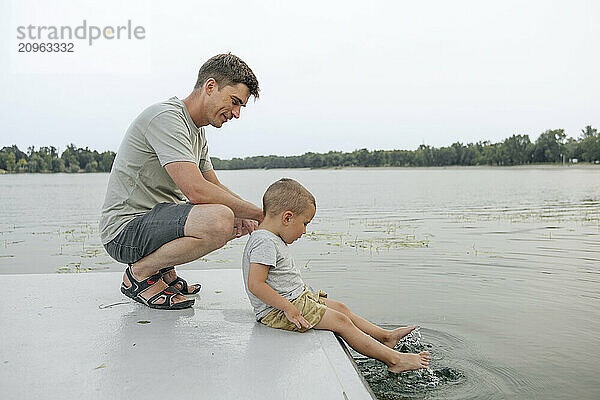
(212, 222)
(222, 224)
(218, 227)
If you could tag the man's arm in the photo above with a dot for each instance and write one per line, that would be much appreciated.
(257, 277)
(211, 176)
(241, 226)
(198, 190)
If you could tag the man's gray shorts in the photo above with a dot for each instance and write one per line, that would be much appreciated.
(146, 233)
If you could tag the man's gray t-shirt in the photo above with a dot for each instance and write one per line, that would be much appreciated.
(161, 134)
(264, 247)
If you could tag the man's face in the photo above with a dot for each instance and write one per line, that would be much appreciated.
(226, 103)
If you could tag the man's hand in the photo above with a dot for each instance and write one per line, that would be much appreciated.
(242, 227)
(294, 316)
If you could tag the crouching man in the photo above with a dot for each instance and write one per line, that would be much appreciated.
(164, 205)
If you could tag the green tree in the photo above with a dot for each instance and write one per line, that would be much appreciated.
(22, 165)
(516, 149)
(589, 145)
(588, 131)
(572, 149)
(58, 165)
(550, 146)
(34, 164)
(15, 150)
(73, 165)
(106, 161)
(91, 166)
(10, 161)
(423, 156)
(591, 149)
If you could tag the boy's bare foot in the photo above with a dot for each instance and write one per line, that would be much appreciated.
(397, 334)
(409, 362)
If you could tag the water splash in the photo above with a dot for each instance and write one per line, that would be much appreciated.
(411, 343)
(413, 339)
(391, 386)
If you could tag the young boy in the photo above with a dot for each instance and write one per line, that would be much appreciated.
(281, 299)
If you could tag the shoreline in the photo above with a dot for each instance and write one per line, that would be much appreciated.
(521, 166)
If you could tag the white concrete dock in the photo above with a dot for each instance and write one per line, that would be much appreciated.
(75, 336)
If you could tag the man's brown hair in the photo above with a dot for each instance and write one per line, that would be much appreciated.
(287, 195)
(227, 70)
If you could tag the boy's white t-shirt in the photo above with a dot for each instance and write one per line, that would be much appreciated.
(264, 247)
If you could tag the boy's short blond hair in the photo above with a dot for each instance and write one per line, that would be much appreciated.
(287, 195)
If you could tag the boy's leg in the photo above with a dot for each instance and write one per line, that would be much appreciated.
(389, 338)
(397, 362)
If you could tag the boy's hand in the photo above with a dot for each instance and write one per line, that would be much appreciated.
(294, 316)
(243, 227)
(249, 225)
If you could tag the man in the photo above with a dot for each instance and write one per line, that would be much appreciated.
(164, 205)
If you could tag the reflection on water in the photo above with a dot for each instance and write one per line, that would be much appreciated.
(500, 266)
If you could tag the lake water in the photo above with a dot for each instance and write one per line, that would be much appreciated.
(499, 266)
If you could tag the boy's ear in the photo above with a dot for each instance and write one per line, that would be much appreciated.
(286, 217)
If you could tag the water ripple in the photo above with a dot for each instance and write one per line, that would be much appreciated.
(456, 372)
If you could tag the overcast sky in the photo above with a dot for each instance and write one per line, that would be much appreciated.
(338, 75)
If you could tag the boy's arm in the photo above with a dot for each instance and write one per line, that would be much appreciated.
(257, 277)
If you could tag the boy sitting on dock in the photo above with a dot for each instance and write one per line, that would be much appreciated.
(280, 297)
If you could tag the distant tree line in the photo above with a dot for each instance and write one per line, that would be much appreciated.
(552, 146)
(46, 159)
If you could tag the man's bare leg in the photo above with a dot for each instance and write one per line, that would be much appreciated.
(397, 362)
(389, 338)
(171, 275)
(207, 228)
